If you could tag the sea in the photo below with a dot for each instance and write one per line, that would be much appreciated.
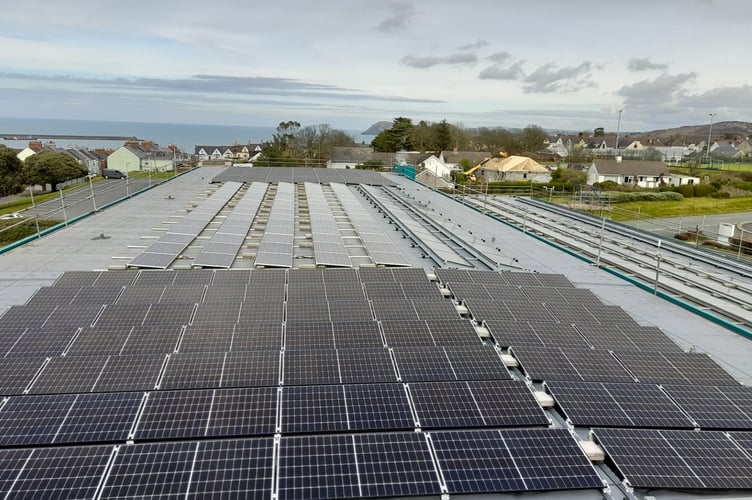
(184, 135)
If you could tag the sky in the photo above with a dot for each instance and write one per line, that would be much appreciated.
(348, 63)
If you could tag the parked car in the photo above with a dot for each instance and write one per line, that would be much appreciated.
(110, 173)
(14, 215)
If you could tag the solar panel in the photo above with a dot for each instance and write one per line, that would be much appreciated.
(406, 333)
(243, 412)
(394, 465)
(445, 405)
(17, 374)
(505, 403)
(350, 310)
(359, 366)
(175, 414)
(130, 373)
(715, 407)
(677, 459)
(207, 338)
(26, 420)
(425, 364)
(309, 335)
(233, 469)
(378, 407)
(476, 363)
(62, 472)
(152, 339)
(452, 332)
(69, 374)
(512, 460)
(307, 409)
(569, 364)
(317, 466)
(617, 405)
(310, 368)
(357, 334)
(193, 371)
(154, 470)
(257, 335)
(675, 368)
(11, 464)
(91, 341)
(251, 368)
(100, 417)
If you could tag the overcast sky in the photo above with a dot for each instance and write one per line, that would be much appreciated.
(561, 65)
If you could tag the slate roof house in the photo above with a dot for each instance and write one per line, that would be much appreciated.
(639, 173)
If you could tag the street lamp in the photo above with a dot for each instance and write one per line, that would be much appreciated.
(710, 131)
(618, 126)
(91, 187)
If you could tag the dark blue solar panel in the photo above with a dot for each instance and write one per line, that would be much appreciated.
(395, 465)
(314, 409)
(70, 472)
(243, 412)
(317, 467)
(155, 470)
(175, 414)
(233, 469)
(378, 407)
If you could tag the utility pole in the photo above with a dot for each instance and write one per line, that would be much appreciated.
(710, 131)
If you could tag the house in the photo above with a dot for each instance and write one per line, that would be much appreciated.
(141, 156)
(237, 152)
(513, 168)
(33, 148)
(646, 174)
(435, 166)
(454, 159)
(350, 157)
(726, 150)
(86, 158)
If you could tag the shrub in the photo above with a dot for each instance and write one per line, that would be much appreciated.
(704, 190)
(687, 190)
(720, 195)
(646, 196)
(682, 236)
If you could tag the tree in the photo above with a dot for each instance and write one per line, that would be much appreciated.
(50, 167)
(532, 138)
(11, 172)
(395, 139)
(442, 136)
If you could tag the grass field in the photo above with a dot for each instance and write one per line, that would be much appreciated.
(688, 206)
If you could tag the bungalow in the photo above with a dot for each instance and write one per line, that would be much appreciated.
(646, 174)
(513, 168)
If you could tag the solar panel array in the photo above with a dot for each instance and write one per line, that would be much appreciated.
(380, 247)
(276, 248)
(340, 383)
(328, 246)
(264, 384)
(160, 254)
(657, 411)
(301, 175)
(220, 251)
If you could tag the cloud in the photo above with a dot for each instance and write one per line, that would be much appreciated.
(471, 46)
(500, 72)
(659, 91)
(644, 64)
(550, 78)
(244, 87)
(499, 57)
(425, 62)
(401, 13)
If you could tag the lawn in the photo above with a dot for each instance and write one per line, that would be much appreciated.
(688, 206)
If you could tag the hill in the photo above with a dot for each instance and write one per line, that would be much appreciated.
(377, 127)
(732, 129)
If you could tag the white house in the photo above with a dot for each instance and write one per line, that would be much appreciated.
(646, 174)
